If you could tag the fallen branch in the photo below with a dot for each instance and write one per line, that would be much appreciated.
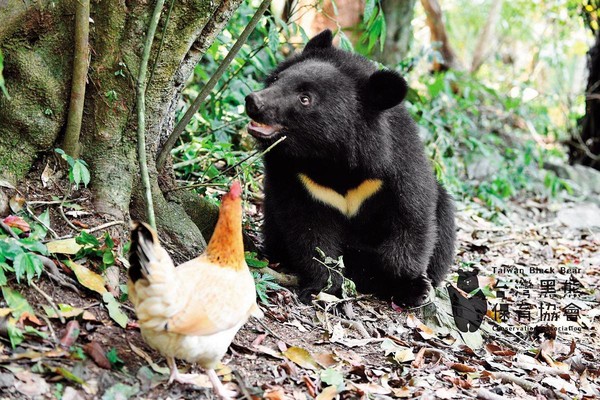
(487, 395)
(7, 229)
(49, 300)
(53, 273)
(527, 385)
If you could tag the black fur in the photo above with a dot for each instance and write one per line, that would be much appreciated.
(354, 128)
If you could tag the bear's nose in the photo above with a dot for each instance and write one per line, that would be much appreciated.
(253, 104)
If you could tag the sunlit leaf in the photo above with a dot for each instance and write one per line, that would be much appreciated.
(114, 310)
(87, 277)
(16, 302)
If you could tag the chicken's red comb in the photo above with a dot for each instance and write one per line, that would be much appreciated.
(235, 190)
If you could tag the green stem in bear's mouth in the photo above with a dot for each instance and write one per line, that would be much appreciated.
(254, 155)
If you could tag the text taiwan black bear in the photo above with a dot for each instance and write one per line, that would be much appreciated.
(351, 178)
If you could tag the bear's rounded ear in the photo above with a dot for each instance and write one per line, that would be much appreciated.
(322, 41)
(384, 89)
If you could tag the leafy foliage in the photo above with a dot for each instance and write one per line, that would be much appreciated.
(78, 169)
(264, 283)
(2, 85)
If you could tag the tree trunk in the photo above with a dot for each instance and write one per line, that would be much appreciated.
(435, 22)
(398, 17)
(584, 147)
(487, 38)
(37, 41)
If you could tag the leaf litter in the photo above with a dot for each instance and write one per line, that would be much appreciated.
(339, 348)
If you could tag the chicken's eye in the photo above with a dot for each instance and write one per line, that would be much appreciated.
(304, 99)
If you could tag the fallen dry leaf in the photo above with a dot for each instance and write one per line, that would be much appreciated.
(87, 277)
(30, 384)
(64, 246)
(276, 393)
(328, 393)
(463, 368)
(97, 353)
(71, 333)
(301, 357)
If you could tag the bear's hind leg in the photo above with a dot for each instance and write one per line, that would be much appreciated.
(443, 253)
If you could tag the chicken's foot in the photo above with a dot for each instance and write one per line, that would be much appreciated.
(175, 376)
(218, 386)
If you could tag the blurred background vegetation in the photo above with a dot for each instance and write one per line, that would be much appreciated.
(498, 87)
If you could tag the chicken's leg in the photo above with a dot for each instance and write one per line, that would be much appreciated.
(218, 386)
(176, 376)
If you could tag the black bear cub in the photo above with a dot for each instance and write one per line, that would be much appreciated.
(351, 177)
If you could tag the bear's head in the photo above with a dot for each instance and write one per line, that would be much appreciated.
(467, 280)
(324, 100)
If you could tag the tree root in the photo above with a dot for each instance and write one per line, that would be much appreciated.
(54, 274)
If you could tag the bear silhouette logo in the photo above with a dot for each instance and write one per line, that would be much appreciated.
(468, 312)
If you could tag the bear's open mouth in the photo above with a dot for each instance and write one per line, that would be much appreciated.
(262, 131)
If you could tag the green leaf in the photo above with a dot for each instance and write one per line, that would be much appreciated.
(253, 262)
(345, 43)
(335, 7)
(34, 245)
(81, 174)
(108, 258)
(114, 310)
(32, 330)
(305, 37)
(10, 248)
(273, 37)
(113, 358)
(3, 280)
(108, 241)
(16, 302)
(2, 85)
(27, 264)
(369, 10)
(87, 238)
(14, 334)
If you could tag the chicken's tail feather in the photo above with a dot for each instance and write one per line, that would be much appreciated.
(141, 254)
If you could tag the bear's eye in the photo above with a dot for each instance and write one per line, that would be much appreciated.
(304, 99)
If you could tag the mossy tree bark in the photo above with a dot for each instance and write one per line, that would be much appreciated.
(398, 16)
(37, 39)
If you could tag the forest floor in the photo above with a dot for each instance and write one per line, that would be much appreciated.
(539, 268)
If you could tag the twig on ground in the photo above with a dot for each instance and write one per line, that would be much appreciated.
(50, 328)
(487, 395)
(357, 326)
(39, 221)
(266, 328)
(527, 385)
(91, 230)
(62, 214)
(242, 385)
(49, 300)
(56, 276)
(8, 230)
(104, 226)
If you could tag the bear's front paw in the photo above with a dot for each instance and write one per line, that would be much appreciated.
(306, 295)
(412, 292)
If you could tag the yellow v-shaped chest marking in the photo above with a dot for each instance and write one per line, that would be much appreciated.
(348, 204)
